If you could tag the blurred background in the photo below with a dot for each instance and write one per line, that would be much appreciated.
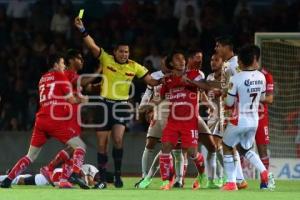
(31, 30)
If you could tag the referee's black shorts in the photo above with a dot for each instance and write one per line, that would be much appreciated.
(111, 112)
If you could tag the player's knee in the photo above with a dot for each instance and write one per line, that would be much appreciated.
(243, 151)
(150, 143)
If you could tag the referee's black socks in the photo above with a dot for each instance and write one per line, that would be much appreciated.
(102, 163)
(118, 156)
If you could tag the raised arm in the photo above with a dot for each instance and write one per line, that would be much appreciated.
(87, 39)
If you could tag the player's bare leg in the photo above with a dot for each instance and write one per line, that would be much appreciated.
(21, 166)
(102, 158)
(117, 133)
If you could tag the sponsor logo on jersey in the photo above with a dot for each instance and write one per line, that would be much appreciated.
(255, 82)
(111, 69)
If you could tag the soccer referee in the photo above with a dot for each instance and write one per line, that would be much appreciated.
(118, 72)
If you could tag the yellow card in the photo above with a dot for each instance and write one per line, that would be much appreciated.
(80, 15)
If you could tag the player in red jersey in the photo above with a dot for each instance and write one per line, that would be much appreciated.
(262, 133)
(181, 89)
(75, 63)
(53, 120)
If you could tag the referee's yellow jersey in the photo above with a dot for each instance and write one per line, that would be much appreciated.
(117, 77)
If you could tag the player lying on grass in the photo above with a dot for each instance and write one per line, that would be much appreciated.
(52, 120)
(88, 173)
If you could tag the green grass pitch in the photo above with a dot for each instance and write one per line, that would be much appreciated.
(285, 190)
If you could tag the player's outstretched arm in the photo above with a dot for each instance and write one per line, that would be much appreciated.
(88, 40)
(149, 80)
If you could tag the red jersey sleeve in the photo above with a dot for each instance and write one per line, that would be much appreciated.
(269, 84)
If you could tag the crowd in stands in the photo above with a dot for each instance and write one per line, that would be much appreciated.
(30, 31)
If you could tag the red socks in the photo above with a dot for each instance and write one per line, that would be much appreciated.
(60, 158)
(19, 167)
(165, 164)
(199, 163)
(78, 158)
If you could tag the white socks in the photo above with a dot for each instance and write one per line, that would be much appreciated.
(211, 161)
(239, 170)
(147, 156)
(230, 168)
(179, 164)
(255, 161)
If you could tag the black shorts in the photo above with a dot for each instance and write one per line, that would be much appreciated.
(111, 112)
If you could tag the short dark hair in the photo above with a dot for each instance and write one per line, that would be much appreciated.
(119, 43)
(54, 58)
(192, 52)
(225, 41)
(248, 53)
(71, 54)
(170, 56)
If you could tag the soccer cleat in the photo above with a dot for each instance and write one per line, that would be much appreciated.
(165, 185)
(136, 185)
(229, 186)
(178, 185)
(213, 184)
(47, 174)
(263, 186)
(65, 185)
(75, 179)
(199, 181)
(118, 182)
(145, 183)
(6, 183)
(271, 181)
(242, 185)
(100, 185)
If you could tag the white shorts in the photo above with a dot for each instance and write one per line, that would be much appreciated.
(40, 180)
(234, 135)
(159, 121)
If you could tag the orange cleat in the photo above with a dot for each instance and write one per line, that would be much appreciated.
(242, 185)
(229, 186)
(165, 185)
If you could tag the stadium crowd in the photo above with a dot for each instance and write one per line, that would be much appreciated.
(32, 30)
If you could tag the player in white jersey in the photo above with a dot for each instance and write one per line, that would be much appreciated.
(216, 115)
(157, 115)
(245, 91)
(89, 174)
(224, 48)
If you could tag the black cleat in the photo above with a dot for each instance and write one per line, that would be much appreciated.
(136, 185)
(178, 185)
(118, 182)
(6, 183)
(75, 179)
(100, 185)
